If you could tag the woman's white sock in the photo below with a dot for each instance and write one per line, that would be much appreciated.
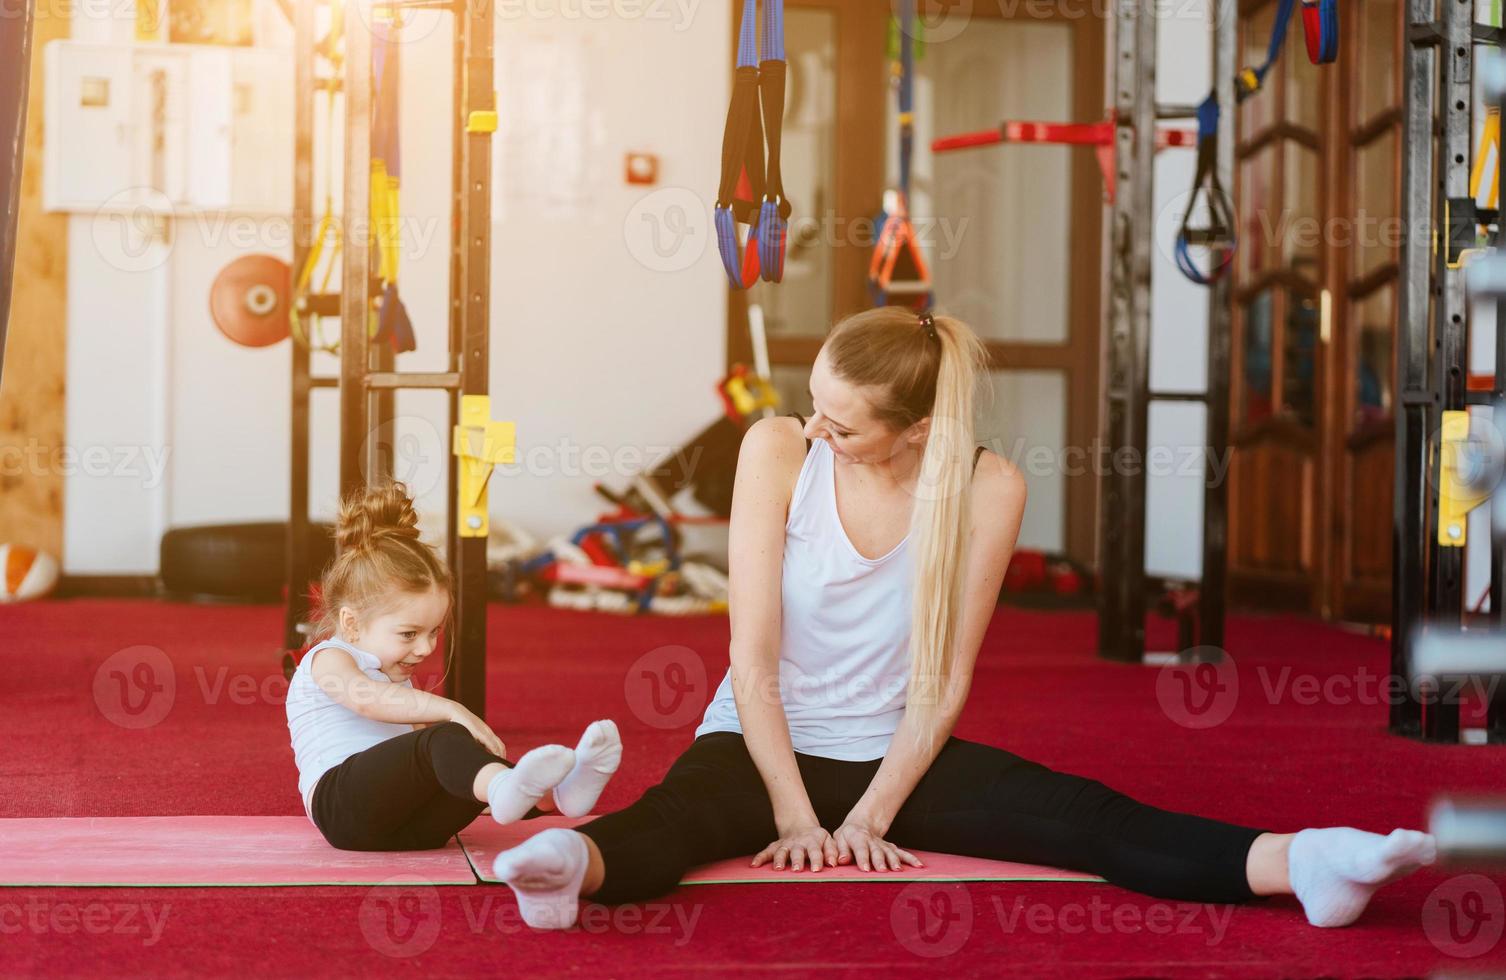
(513, 792)
(545, 872)
(1335, 870)
(596, 758)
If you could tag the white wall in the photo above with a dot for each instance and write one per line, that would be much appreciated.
(604, 350)
(1179, 316)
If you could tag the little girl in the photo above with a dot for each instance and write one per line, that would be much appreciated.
(383, 766)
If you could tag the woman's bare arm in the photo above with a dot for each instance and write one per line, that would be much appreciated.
(768, 466)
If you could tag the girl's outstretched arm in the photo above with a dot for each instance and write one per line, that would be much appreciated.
(337, 675)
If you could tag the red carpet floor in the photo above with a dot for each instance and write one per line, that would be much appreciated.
(1303, 744)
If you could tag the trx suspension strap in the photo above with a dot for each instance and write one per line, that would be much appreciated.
(1320, 25)
(897, 272)
(1219, 234)
(751, 193)
(1249, 80)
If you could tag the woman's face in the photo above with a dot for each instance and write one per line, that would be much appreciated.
(843, 416)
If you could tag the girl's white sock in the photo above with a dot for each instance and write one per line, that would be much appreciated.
(514, 791)
(596, 758)
(545, 873)
(1335, 870)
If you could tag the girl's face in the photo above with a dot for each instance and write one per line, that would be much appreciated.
(843, 416)
(403, 634)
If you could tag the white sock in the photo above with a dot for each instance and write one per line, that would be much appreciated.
(596, 757)
(513, 792)
(545, 872)
(1335, 870)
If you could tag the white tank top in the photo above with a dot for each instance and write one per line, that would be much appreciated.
(844, 648)
(324, 732)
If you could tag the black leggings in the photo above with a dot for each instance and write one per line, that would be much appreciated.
(412, 792)
(974, 800)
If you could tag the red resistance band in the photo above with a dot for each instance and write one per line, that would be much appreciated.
(1098, 134)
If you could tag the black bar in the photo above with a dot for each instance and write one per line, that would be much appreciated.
(1121, 606)
(15, 76)
(299, 574)
(323, 304)
(1440, 717)
(455, 318)
(468, 680)
(355, 279)
(1414, 401)
(1197, 397)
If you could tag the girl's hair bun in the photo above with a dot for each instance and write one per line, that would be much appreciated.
(373, 513)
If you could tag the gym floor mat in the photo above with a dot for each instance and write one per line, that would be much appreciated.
(484, 839)
(204, 851)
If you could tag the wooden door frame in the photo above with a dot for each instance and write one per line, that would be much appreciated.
(1280, 589)
(1339, 595)
(859, 184)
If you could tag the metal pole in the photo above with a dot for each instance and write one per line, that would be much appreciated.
(355, 281)
(304, 94)
(1414, 399)
(1121, 623)
(1440, 719)
(468, 681)
(1212, 593)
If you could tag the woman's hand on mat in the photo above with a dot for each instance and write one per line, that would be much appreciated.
(857, 842)
(797, 847)
(479, 730)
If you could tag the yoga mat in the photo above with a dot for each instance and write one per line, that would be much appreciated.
(484, 839)
(204, 851)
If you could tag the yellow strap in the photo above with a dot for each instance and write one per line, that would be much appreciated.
(384, 221)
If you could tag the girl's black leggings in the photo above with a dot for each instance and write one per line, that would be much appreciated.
(975, 800)
(412, 792)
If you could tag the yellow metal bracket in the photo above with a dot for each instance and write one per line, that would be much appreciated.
(480, 444)
(481, 121)
(1455, 499)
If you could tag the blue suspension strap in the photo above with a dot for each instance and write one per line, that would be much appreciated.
(747, 193)
(1320, 25)
(1219, 233)
(1250, 79)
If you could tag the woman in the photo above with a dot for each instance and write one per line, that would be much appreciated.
(866, 557)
